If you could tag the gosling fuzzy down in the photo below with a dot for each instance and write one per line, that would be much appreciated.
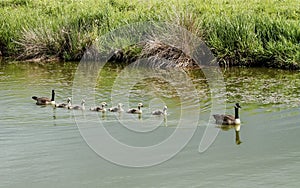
(77, 107)
(64, 105)
(137, 110)
(160, 112)
(99, 108)
(117, 108)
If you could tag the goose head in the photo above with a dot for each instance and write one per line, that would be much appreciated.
(103, 104)
(165, 108)
(237, 105)
(140, 105)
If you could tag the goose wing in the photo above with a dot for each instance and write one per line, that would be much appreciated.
(157, 112)
(41, 100)
(97, 108)
(224, 118)
(113, 109)
(132, 110)
(228, 117)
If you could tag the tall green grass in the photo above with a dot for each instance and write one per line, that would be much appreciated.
(252, 33)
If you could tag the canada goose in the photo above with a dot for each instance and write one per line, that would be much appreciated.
(116, 108)
(99, 108)
(229, 119)
(64, 105)
(160, 112)
(78, 107)
(136, 111)
(45, 100)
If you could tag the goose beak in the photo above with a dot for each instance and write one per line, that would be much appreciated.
(238, 105)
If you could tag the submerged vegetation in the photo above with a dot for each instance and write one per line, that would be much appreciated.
(252, 33)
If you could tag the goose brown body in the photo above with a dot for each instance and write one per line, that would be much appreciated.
(225, 119)
(45, 100)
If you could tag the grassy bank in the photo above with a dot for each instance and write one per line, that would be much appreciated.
(253, 33)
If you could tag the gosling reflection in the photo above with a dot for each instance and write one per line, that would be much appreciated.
(54, 114)
(237, 137)
(103, 115)
(236, 128)
(165, 121)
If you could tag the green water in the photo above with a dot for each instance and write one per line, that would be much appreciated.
(42, 146)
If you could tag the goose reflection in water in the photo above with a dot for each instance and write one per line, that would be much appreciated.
(236, 128)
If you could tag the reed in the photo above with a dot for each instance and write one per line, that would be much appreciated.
(252, 33)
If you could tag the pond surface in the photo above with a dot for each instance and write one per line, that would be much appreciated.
(42, 146)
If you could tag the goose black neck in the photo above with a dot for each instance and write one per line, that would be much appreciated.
(53, 94)
(139, 107)
(236, 113)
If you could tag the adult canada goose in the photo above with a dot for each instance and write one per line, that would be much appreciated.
(77, 107)
(136, 110)
(229, 119)
(160, 112)
(116, 108)
(99, 108)
(45, 100)
(64, 105)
